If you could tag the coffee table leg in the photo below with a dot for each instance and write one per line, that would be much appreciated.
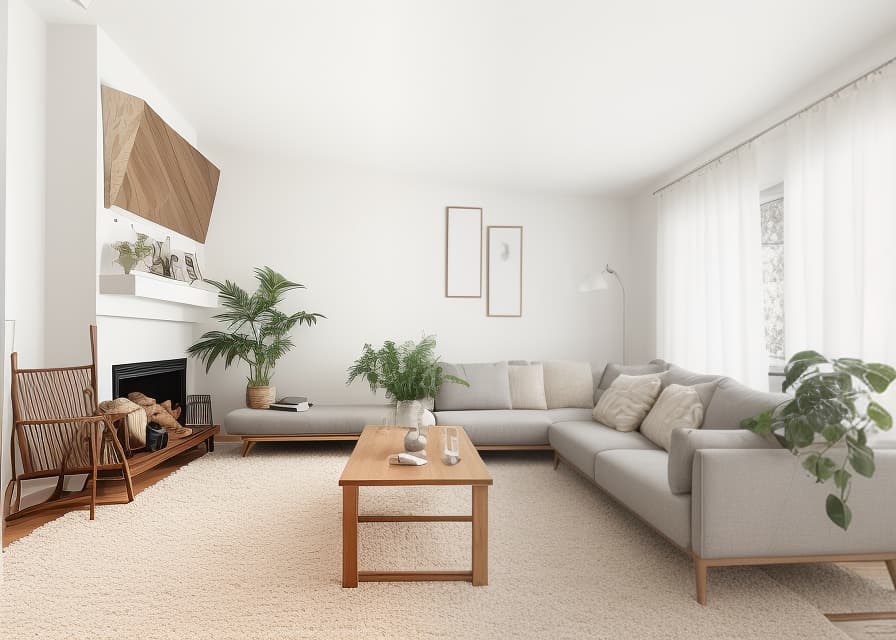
(350, 536)
(480, 535)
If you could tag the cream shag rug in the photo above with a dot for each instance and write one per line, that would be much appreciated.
(250, 548)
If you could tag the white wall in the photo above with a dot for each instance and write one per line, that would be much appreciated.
(770, 166)
(22, 167)
(71, 192)
(371, 249)
(25, 178)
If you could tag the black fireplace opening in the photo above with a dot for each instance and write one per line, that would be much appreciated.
(160, 379)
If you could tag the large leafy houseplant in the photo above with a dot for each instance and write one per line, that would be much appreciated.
(406, 371)
(257, 332)
(828, 421)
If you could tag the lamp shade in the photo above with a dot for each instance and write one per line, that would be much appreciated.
(594, 282)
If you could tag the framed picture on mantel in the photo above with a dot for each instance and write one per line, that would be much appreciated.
(505, 272)
(463, 252)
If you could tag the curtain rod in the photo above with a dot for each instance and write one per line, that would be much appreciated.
(777, 124)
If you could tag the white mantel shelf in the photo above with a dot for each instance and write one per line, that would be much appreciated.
(148, 285)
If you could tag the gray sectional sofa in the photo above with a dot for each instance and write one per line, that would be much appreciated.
(723, 495)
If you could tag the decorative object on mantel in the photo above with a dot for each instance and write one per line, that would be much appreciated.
(131, 254)
(829, 419)
(463, 252)
(257, 332)
(505, 272)
(409, 373)
(150, 170)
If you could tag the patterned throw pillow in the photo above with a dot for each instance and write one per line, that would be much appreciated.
(628, 400)
(677, 407)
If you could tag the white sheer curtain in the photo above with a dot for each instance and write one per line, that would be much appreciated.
(709, 272)
(840, 224)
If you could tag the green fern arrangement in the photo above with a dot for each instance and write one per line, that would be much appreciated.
(408, 371)
(257, 332)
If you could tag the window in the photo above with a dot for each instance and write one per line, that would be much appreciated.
(772, 213)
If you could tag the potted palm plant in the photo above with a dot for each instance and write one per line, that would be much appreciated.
(409, 373)
(257, 332)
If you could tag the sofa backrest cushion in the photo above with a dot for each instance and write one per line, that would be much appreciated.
(527, 386)
(568, 383)
(676, 375)
(489, 387)
(613, 370)
(677, 407)
(686, 442)
(628, 400)
(733, 402)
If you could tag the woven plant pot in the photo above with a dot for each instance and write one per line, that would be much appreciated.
(260, 397)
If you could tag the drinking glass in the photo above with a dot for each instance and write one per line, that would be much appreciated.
(450, 445)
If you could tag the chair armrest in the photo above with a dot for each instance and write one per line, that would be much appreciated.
(763, 504)
(686, 442)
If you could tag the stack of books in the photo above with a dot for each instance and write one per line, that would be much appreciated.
(292, 403)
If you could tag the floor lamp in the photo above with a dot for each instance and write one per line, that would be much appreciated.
(598, 282)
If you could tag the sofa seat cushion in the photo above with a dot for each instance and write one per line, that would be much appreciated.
(510, 426)
(321, 418)
(639, 480)
(570, 414)
(489, 387)
(579, 441)
(733, 402)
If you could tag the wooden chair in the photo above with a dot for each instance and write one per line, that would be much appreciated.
(57, 434)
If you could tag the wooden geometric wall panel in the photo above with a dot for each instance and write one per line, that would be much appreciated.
(150, 170)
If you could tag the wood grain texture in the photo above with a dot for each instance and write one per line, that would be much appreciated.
(369, 463)
(151, 170)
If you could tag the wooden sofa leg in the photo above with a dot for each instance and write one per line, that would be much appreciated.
(556, 460)
(891, 567)
(700, 569)
(247, 447)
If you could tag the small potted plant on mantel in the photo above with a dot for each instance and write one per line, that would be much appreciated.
(257, 332)
(409, 373)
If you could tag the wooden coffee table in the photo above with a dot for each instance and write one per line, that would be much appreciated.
(369, 466)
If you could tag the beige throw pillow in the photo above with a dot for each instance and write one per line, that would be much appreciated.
(527, 387)
(568, 383)
(628, 400)
(677, 407)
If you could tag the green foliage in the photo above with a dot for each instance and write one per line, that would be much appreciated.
(408, 371)
(257, 332)
(130, 254)
(828, 420)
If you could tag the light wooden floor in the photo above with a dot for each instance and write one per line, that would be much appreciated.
(873, 629)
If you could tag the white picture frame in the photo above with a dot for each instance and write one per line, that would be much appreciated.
(463, 252)
(505, 272)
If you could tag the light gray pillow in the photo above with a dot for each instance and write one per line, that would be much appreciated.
(628, 400)
(489, 387)
(568, 383)
(527, 386)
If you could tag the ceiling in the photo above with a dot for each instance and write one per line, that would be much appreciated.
(579, 96)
